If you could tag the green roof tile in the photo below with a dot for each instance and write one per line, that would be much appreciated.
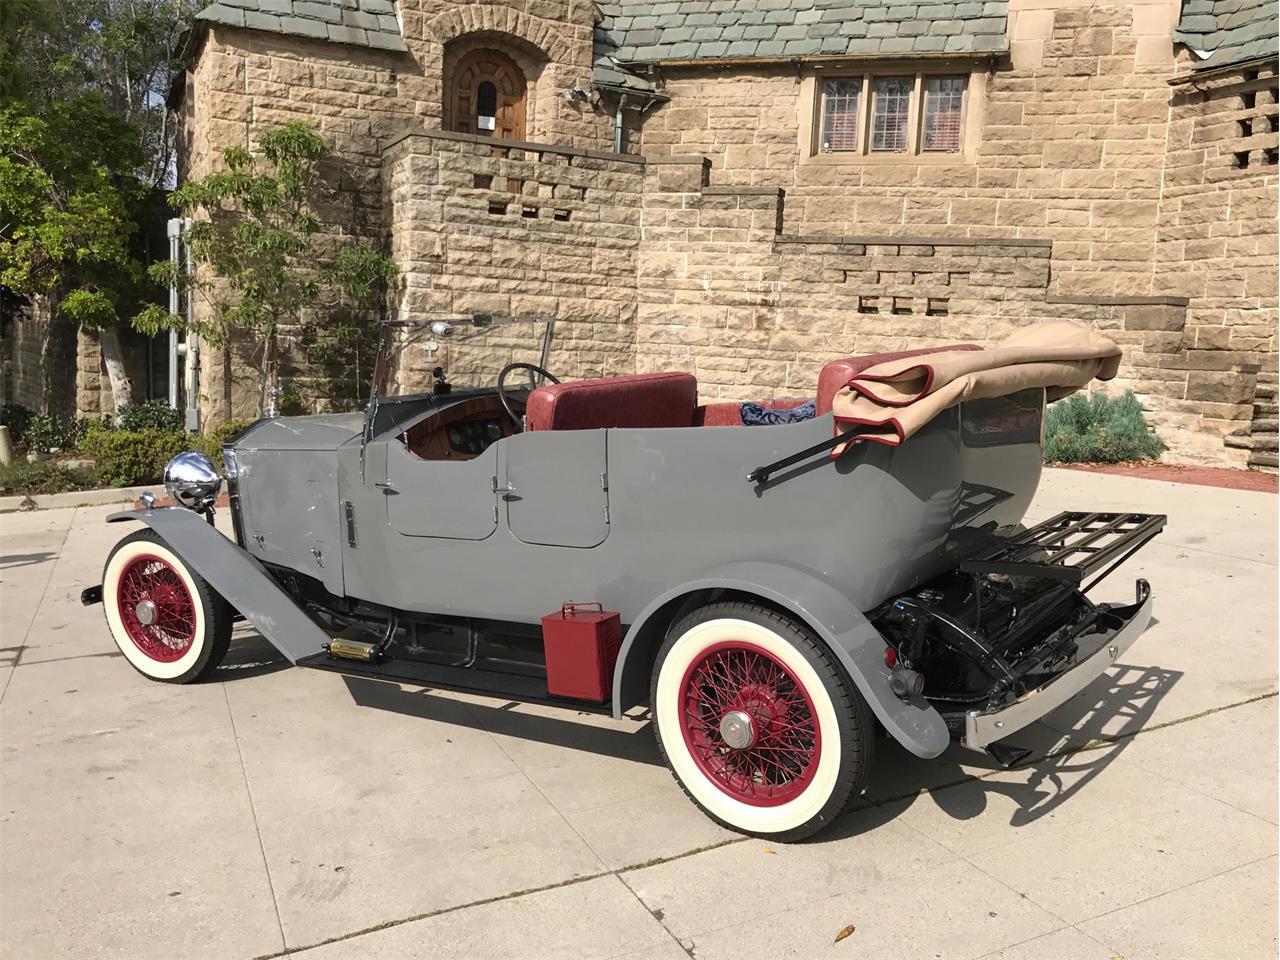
(1222, 32)
(772, 28)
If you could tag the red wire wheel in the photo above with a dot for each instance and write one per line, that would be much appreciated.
(749, 724)
(156, 608)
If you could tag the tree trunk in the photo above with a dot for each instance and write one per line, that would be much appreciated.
(113, 360)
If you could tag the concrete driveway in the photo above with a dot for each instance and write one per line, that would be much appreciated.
(277, 811)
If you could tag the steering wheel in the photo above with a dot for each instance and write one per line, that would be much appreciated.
(502, 387)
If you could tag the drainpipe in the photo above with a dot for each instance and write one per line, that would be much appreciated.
(174, 233)
(617, 124)
(192, 367)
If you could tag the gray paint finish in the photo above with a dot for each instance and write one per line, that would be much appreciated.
(825, 540)
(235, 575)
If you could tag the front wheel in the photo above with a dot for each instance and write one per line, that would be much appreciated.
(166, 620)
(758, 722)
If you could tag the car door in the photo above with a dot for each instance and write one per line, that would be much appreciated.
(556, 489)
(441, 498)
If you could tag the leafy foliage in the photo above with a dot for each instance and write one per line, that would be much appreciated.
(85, 142)
(258, 263)
(46, 476)
(127, 458)
(48, 433)
(150, 414)
(211, 443)
(1097, 428)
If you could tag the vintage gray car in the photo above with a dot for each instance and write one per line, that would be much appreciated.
(612, 545)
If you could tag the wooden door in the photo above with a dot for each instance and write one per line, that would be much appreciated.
(486, 95)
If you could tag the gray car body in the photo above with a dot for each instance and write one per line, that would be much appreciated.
(641, 520)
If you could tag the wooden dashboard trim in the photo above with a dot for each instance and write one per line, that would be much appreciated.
(428, 439)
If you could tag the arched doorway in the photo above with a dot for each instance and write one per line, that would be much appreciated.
(486, 95)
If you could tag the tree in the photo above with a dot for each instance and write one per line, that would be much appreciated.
(260, 268)
(84, 145)
(68, 198)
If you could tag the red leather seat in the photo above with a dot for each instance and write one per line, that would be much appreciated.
(837, 374)
(642, 400)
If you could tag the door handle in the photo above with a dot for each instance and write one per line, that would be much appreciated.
(493, 484)
(384, 484)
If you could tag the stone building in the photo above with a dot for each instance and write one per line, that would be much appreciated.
(747, 188)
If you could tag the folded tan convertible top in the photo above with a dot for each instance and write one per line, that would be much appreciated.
(889, 402)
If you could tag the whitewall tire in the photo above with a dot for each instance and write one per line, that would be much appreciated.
(167, 621)
(757, 721)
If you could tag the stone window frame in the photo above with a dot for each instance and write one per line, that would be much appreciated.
(811, 111)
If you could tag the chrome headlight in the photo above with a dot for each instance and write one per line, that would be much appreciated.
(192, 481)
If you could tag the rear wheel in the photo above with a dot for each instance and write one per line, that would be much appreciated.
(758, 723)
(166, 620)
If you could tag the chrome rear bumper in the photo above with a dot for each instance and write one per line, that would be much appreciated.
(981, 729)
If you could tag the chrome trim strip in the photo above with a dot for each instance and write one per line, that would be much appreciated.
(983, 729)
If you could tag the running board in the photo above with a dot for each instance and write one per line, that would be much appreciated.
(485, 683)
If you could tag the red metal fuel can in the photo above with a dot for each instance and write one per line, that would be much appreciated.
(581, 642)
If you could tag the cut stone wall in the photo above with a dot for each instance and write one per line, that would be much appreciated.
(482, 226)
(755, 313)
(1216, 244)
(36, 351)
(1070, 146)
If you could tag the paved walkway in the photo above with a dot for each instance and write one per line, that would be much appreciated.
(276, 810)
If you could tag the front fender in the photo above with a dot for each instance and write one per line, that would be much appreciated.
(237, 576)
(856, 643)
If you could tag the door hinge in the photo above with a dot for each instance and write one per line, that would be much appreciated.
(495, 513)
(349, 512)
(604, 481)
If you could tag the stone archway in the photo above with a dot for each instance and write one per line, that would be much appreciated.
(486, 93)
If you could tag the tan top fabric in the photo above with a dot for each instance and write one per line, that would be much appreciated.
(889, 402)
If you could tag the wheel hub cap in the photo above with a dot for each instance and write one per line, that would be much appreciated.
(145, 612)
(749, 724)
(737, 729)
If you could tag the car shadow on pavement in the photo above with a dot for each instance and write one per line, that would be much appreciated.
(11, 560)
(251, 655)
(634, 742)
(1072, 748)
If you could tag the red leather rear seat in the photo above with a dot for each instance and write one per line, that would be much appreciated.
(642, 400)
(837, 374)
(730, 414)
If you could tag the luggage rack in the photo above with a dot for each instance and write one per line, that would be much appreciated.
(1069, 546)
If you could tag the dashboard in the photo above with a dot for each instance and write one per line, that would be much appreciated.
(460, 432)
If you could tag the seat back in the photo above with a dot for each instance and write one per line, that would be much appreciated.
(641, 400)
(837, 374)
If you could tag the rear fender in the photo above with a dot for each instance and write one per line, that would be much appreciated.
(856, 643)
(237, 576)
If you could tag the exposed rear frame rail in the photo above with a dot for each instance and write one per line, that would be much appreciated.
(1069, 546)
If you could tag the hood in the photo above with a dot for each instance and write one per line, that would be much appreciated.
(323, 432)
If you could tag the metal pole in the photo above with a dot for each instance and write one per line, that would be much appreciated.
(617, 124)
(193, 351)
(174, 232)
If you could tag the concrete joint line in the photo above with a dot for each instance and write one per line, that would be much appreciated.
(632, 868)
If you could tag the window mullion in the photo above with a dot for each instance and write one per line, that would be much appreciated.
(864, 119)
(915, 114)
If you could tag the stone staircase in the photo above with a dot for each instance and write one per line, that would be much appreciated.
(1262, 441)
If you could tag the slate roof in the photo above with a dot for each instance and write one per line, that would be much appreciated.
(1223, 32)
(643, 31)
(366, 23)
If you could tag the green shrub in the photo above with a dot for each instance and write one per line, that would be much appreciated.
(1097, 428)
(211, 443)
(128, 458)
(149, 415)
(46, 476)
(46, 433)
(16, 417)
